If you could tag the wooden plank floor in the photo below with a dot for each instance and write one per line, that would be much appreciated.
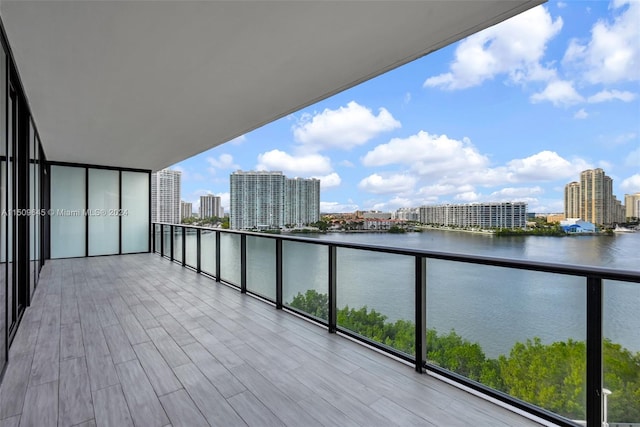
(137, 340)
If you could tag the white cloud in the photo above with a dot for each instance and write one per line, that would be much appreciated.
(238, 141)
(522, 194)
(633, 158)
(613, 52)
(610, 95)
(514, 47)
(544, 166)
(559, 93)
(468, 197)
(631, 185)
(336, 207)
(329, 181)
(392, 184)
(344, 128)
(347, 163)
(581, 114)
(304, 165)
(428, 154)
(224, 162)
(433, 191)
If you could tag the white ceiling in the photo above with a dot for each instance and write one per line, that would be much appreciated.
(146, 84)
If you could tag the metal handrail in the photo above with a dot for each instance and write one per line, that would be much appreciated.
(594, 277)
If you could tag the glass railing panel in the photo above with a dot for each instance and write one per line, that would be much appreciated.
(191, 247)
(305, 278)
(517, 331)
(166, 231)
(375, 296)
(208, 251)
(230, 258)
(157, 230)
(177, 243)
(261, 266)
(621, 353)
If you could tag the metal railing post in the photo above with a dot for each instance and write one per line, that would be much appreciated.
(594, 351)
(333, 279)
(184, 246)
(421, 312)
(162, 240)
(243, 263)
(198, 251)
(279, 274)
(217, 255)
(171, 240)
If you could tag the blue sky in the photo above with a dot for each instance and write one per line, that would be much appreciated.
(509, 114)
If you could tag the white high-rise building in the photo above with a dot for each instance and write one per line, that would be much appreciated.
(483, 215)
(302, 201)
(165, 196)
(186, 210)
(271, 200)
(210, 206)
(632, 204)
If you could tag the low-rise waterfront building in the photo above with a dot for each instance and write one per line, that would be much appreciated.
(480, 215)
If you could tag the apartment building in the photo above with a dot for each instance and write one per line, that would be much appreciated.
(165, 196)
(480, 215)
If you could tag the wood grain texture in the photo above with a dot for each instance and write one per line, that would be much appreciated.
(138, 340)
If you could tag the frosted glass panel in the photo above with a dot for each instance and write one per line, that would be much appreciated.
(103, 212)
(135, 212)
(68, 228)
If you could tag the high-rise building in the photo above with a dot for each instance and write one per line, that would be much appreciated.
(271, 200)
(165, 196)
(210, 206)
(596, 196)
(572, 200)
(597, 203)
(186, 210)
(482, 215)
(302, 201)
(632, 206)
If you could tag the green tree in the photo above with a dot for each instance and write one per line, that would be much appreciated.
(313, 303)
(622, 378)
(550, 376)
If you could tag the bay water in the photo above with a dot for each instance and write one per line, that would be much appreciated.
(493, 306)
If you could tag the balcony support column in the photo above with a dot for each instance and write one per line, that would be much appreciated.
(243, 263)
(333, 279)
(421, 312)
(279, 274)
(594, 351)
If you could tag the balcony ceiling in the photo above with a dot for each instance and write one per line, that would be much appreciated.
(149, 83)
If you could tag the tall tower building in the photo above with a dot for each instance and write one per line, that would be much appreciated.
(186, 210)
(257, 200)
(210, 206)
(165, 196)
(632, 205)
(302, 198)
(596, 196)
(271, 200)
(572, 200)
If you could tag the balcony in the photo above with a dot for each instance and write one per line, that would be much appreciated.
(139, 340)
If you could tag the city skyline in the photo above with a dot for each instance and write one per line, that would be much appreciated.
(508, 123)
